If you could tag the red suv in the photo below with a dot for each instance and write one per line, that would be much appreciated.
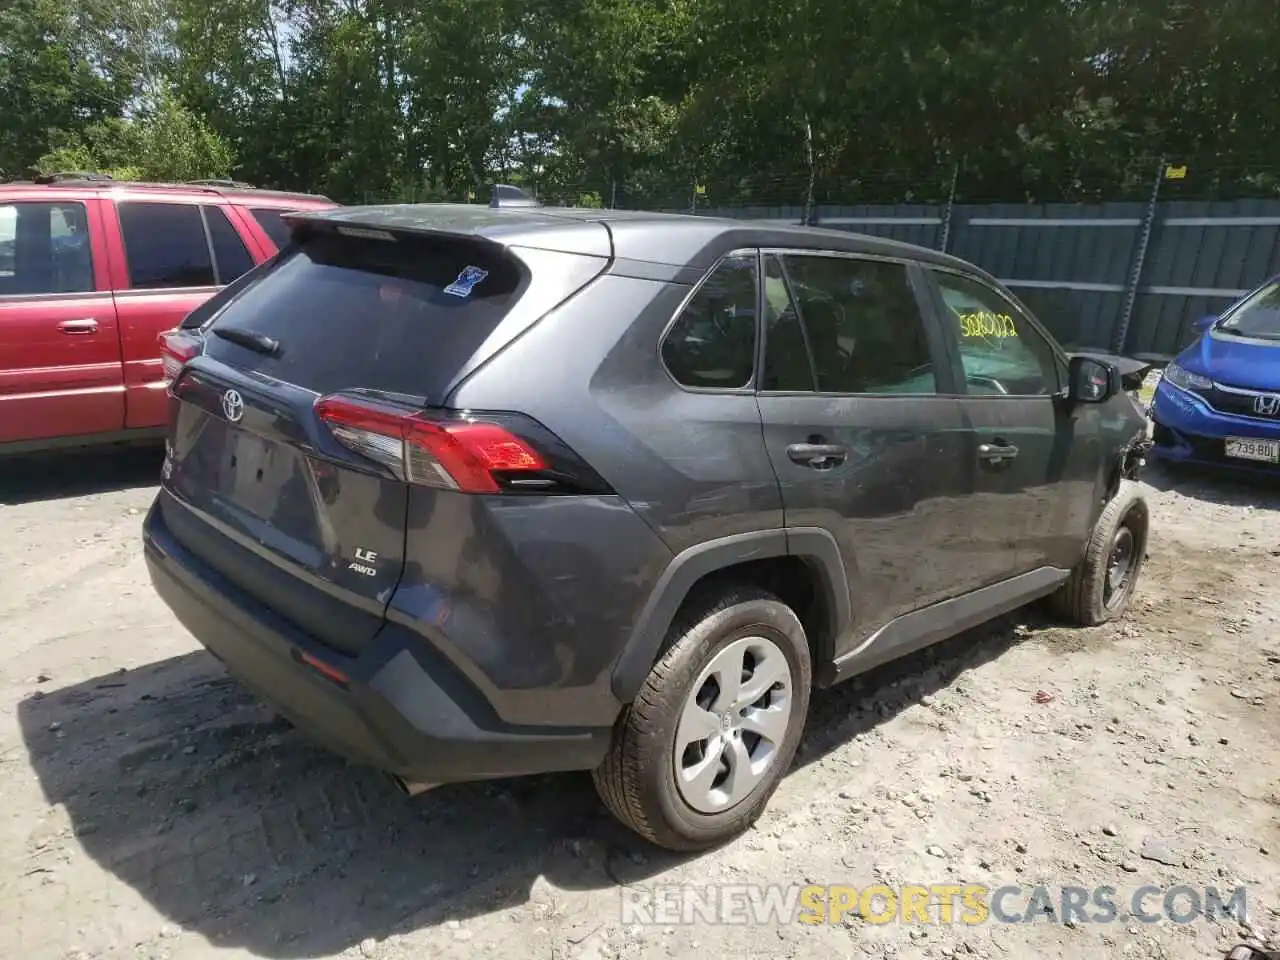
(92, 271)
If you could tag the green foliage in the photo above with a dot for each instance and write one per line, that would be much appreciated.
(165, 143)
(53, 76)
(636, 101)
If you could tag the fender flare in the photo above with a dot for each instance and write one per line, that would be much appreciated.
(815, 545)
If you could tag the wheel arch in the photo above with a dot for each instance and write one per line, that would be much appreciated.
(803, 566)
(1124, 463)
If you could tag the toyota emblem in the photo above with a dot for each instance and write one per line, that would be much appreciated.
(233, 406)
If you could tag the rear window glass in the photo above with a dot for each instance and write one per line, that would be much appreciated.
(273, 225)
(397, 316)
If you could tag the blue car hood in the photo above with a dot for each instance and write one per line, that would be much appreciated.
(1235, 361)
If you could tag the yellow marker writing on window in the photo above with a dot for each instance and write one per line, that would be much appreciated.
(984, 324)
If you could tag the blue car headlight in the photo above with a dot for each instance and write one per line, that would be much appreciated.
(1186, 379)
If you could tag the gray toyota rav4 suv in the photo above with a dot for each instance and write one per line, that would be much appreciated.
(473, 491)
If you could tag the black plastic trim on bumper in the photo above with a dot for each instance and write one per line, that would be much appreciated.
(392, 712)
(1204, 451)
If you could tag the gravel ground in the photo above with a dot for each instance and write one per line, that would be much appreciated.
(152, 809)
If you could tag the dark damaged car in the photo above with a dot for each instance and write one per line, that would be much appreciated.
(482, 492)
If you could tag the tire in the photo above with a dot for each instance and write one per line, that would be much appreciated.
(638, 779)
(1090, 597)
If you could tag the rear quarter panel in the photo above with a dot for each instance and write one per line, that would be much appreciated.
(255, 238)
(241, 213)
(692, 465)
(564, 580)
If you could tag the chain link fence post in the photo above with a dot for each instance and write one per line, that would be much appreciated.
(945, 240)
(1139, 262)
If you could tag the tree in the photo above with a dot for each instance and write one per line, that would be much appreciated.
(641, 100)
(59, 73)
(165, 142)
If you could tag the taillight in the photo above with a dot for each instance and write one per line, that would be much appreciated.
(176, 348)
(453, 454)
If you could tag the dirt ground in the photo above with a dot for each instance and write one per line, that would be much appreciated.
(149, 808)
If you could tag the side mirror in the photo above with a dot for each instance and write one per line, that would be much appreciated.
(1092, 380)
(1204, 323)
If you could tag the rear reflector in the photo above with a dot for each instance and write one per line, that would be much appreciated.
(458, 455)
(331, 672)
(176, 348)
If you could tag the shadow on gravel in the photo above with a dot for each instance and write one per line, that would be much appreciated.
(53, 476)
(236, 828)
(1228, 488)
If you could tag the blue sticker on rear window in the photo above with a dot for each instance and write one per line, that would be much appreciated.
(466, 282)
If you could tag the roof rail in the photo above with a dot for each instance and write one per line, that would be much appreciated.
(505, 195)
(46, 178)
(233, 184)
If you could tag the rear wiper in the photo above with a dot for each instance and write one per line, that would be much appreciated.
(247, 338)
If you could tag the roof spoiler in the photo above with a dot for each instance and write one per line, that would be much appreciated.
(505, 195)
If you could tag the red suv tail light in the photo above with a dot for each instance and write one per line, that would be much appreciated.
(177, 346)
(451, 454)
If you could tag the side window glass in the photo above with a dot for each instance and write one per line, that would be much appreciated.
(44, 248)
(863, 325)
(713, 342)
(228, 249)
(787, 365)
(272, 225)
(166, 246)
(1001, 353)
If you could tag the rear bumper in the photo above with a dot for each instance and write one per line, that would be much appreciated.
(1188, 430)
(395, 707)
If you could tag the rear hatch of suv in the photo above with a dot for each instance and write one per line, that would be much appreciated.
(318, 397)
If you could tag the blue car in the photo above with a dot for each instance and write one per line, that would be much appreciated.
(1219, 400)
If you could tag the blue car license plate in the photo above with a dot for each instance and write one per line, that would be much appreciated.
(1249, 448)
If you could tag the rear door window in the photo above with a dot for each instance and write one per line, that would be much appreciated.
(166, 245)
(398, 316)
(44, 249)
(862, 324)
(788, 365)
(231, 259)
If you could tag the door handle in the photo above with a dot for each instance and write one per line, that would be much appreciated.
(819, 456)
(997, 452)
(78, 327)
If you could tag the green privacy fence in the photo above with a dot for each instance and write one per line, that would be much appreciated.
(1127, 277)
